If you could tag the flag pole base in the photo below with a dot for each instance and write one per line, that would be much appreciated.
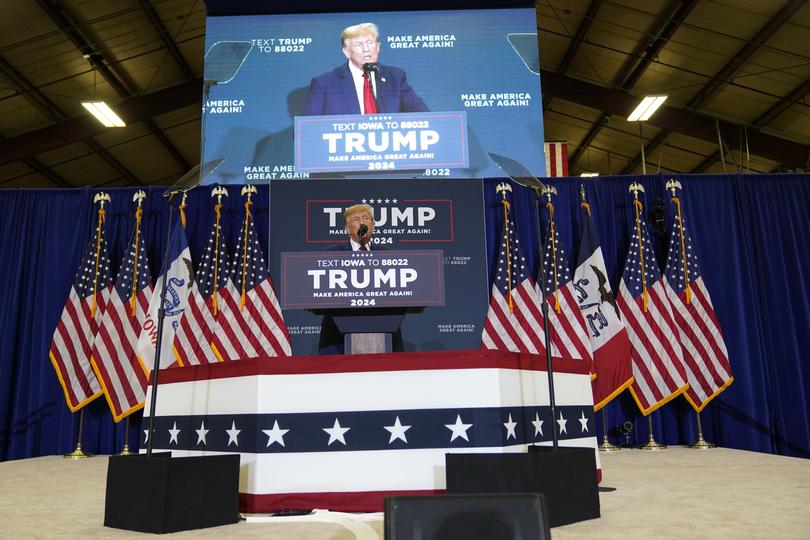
(653, 445)
(702, 444)
(78, 453)
(126, 451)
(606, 446)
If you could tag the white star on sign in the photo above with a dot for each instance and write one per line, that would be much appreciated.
(173, 433)
(233, 434)
(583, 422)
(510, 428)
(459, 429)
(275, 435)
(561, 422)
(538, 425)
(336, 433)
(201, 433)
(397, 431)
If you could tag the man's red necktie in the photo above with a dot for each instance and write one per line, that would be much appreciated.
(363, 247)
(369, 103)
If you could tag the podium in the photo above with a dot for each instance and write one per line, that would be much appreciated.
(368, 330)
(366, 293)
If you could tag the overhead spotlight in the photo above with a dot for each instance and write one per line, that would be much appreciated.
(646, 108)
(103, 113)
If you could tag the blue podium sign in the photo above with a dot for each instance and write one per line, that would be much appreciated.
(381, 142)
(352, 279)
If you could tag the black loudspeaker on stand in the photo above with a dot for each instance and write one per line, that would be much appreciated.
(162, 494)
(566, 477)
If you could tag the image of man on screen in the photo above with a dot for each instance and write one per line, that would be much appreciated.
(361, 85)
(359, 220)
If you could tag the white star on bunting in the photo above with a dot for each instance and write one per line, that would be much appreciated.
(561, 421)
(202, 433)
(336, 433)
(173, 433)
(510, 428)
(397, 431)
(583, 422)
(233, 434)
(459, 429)
(275, 435)
(538, 425)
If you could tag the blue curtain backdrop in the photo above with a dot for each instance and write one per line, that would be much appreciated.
(749, 232)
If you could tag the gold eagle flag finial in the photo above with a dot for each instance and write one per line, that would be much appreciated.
(100, 198)
(217, 192)
(636, 188)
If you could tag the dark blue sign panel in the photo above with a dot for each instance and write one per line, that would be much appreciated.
(439, 61)
(357, 279)
(381, 142)
(446, 215)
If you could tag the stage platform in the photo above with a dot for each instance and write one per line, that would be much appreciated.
(675, 493)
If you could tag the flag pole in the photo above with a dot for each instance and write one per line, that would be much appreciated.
(78, 453)
(126, 451)
(606, 446)
(701, 444)
(651, 442)
(552, 402)
(160, 321)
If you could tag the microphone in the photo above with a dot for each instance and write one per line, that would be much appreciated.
(362, 231)
(371, 66)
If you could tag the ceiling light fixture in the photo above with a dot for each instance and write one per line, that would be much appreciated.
(646, 108)
(103, 113)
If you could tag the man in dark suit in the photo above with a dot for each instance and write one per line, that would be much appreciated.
(359, 221)
(348, 89)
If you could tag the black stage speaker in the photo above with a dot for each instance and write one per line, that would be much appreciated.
(162, 494)
(566, 477)
(518, 516)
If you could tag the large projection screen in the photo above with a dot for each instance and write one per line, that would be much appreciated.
(474, 62)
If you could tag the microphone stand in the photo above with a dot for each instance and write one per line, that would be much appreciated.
(374, 68)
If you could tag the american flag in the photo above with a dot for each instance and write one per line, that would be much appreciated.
(608, 337)
(569, 337)
(250, 323)
(708, 370)
(115, 350)
(514, 321)
(556, 158)
(192, 342)
(657, 356)
(73, 338)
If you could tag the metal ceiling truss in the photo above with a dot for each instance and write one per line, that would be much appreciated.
(573, 48)
(714, 85)
(638, 62)
(683, 121)
(111, 72)
(82, 128)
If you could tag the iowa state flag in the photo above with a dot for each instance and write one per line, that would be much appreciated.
(609, 341)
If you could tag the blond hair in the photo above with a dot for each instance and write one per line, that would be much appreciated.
(351, 32)
(356, 209)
